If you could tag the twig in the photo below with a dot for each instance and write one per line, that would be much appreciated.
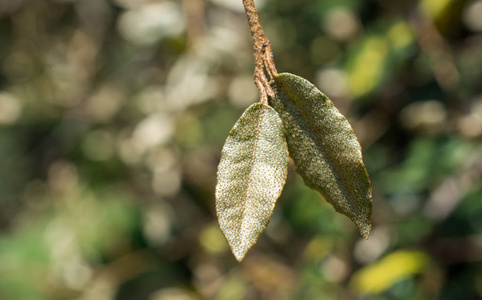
(434, 45)
(196, 24)
(263, 55)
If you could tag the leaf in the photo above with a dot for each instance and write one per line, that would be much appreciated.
(377, 277)
(324, 148)
(251, 176)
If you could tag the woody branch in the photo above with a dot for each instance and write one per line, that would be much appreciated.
(263, 55)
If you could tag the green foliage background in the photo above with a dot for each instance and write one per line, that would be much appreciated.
(113, 115)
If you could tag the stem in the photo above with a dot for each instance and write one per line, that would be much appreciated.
(263, 55)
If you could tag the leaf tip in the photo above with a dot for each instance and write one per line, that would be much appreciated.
(239, 255)
(365, 230)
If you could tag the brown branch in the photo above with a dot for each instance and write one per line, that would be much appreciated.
(263, 55)
(438, 52)
(194, 11)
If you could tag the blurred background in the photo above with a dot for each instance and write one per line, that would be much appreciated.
(113, 114)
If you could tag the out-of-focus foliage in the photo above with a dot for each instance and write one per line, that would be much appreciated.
(113, 115)
(374, 278)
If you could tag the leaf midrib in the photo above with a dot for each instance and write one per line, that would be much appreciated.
(252, 167)
(307, 130)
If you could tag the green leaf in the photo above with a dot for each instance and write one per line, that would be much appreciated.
(324, 148)
(251, 176)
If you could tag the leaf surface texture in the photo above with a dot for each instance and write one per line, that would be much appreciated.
(251, 176)
(324, 148)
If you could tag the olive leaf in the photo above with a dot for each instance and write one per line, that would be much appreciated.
(324, 148)
(251, 176)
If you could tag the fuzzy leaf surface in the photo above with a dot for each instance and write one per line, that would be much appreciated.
(324, 148)
(251, 176)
